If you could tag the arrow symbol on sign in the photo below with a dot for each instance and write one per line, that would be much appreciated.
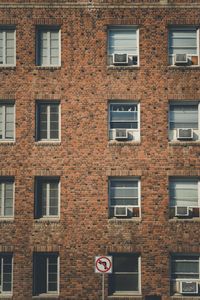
(104, 263)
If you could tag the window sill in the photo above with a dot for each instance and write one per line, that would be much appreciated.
(126, 296)
(7, 67)
(184, 143)
(132, 67)
(4, 296)
(174, 220)
(47, 220)
(191, 67)
(48, 143)
(6, 220)
(181, 297)
(118, 143)
(46, 296)
(48, 67)
(119, 221)
(6, 142)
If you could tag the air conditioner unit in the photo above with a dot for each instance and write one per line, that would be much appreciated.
(120, 211)
(181, 211)
(121, 134)
(120, 58)
(184, 133)
(189, 287)
(181, 59)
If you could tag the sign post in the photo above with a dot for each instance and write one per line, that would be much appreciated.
(103, 265)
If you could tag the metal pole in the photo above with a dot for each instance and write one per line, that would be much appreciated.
(102, 286)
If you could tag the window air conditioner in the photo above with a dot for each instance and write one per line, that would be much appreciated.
(181, 59)
(120, 58)
(184, 133)
(181, 211)
(189, 287)
(121, 134)
(120, 211)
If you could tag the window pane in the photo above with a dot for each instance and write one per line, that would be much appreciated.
(123, 125)
(184, 193)
(125, 263)
(125, 282)
(184, 116)
(7, 286)
(183, 41)
(122, 39)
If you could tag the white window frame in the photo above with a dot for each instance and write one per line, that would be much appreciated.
(4, 104)
(134, 131)
(129, 293)
(184, 28)
(58, 276)
(47, 181)
(3, 182)
(48, 104)
(2, 256)
(174, 179)
(4, 30)
(111, 28)
(172, 133)
(134, 179)
(48, 29)
(46, 256)
(177, 258)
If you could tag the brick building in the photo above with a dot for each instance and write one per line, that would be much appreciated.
(99, 147)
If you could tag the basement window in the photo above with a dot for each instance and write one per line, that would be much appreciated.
(45, 274)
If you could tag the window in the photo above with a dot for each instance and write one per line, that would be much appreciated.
(6, 197)
(47, 197)
(6, 271)
(185, 274)
(124, 197)
(183, 46)
(125, 278)
(7, 124)
(48, 47)
(7, 47)
(184, 197)
(123, 45)
(124, 116)
(184, 120)
(48, 121)
(45, 273)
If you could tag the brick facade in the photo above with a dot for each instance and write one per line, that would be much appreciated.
(84, 159)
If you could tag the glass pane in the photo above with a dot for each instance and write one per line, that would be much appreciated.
(124, 193)
(52, 287)
(125, 282)
(10, 60)
(186, 267)
(123, 116)
(53, 277)
(125, 263)
(123, 125)
(123, 40)
(54, 61)
(7, 286)
(124, 202)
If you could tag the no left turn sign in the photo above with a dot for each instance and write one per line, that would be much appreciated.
(103, 264)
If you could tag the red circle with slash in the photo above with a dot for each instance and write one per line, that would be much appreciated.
(105, 263)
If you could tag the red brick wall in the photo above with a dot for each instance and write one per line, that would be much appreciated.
(85, 159)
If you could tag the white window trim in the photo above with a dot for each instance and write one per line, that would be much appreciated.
(4, 30)
(58, 277)
(127, 293)
(48, 103)
(183, 178)
(39, 181)
(118, 102)
(184, 102)
(180, 260)
(6, 292)
(48, 30)
(3, 104)
(110, 28)
(198, 46)
(134, 178)
(2, 216)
